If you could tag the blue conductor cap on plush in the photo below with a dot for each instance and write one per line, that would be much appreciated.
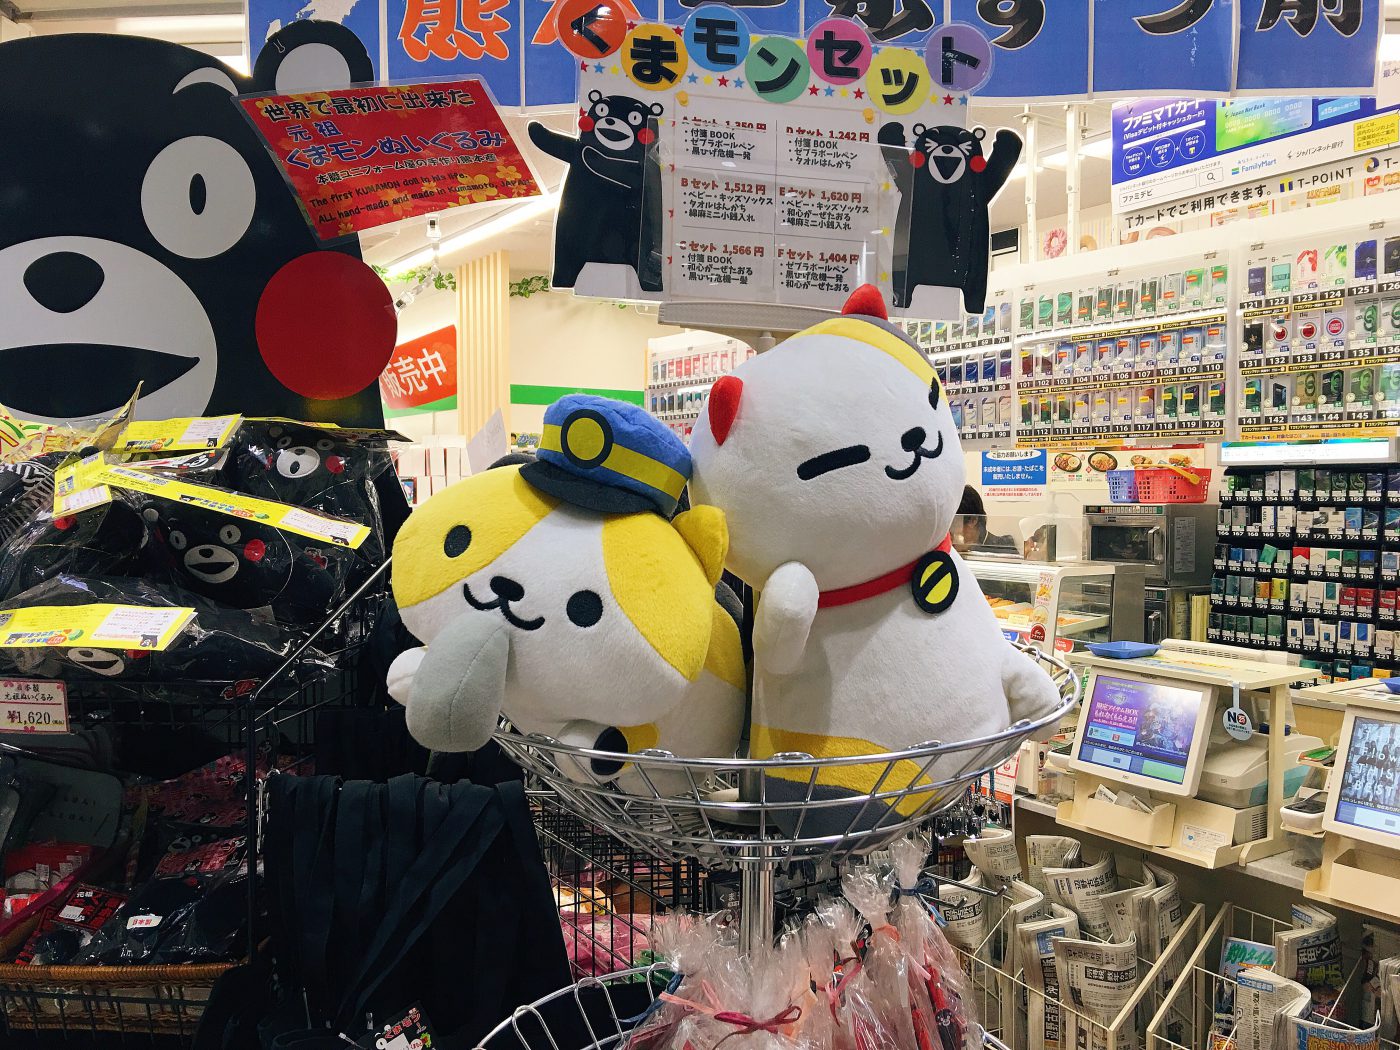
(609, 456)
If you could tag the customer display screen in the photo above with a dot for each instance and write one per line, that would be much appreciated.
(1370, 795)
(1140, 727)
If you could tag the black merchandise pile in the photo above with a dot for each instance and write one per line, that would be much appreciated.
(257, 589)
(174, 891)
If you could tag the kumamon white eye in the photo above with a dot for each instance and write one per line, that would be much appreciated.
(230, 535)
(198, 197)
(635, 119)
(601, 110)
(177, 540)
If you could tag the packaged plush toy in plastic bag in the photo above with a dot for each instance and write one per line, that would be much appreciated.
(859, 1023)
(689, 944)
(144, 638)
(934, 974)
(753, 999)
(886, 957)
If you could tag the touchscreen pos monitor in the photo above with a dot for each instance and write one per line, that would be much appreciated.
(1149, 733)
(1365, 802)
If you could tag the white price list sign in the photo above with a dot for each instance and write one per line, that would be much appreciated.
(33, 706)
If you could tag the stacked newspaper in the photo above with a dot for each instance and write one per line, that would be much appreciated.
(1264, 999)
(1301, 1034)
(1311, 954)
(1085, 892)
(1098, 980)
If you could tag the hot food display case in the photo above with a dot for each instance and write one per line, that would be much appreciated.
(1058, 607)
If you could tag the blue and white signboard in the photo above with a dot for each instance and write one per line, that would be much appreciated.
(1149, 45)
(1040, 50)
(1168, 149)
(1015, 473)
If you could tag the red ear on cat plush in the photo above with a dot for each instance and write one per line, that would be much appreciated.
(723, 406)
(866, 301)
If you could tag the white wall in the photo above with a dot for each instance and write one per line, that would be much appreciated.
(557, 340)
(429, 312)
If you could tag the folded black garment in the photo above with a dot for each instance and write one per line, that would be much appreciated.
(381, 896)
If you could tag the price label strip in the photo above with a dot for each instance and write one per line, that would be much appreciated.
(103, 625)
(74, 486)
(178, 435)
(33, 706)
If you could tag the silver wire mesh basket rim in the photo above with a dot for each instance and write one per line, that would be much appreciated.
(512, 740)
(654, 976)
(726, 814)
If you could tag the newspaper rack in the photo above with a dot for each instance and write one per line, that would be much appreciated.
(1186, 1017)
(1192, 830)
(1007, 1003)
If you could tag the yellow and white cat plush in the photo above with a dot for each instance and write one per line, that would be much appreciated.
(836, 462)
(559, 594)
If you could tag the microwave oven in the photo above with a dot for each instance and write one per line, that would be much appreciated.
(1175, 542)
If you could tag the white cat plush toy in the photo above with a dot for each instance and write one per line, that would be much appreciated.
(836, 462)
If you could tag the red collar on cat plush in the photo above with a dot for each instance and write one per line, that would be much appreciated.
(879, 585)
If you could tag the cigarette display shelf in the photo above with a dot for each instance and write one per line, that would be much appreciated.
(1308, 562)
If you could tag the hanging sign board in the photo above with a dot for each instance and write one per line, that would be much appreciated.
(531, 51)
(365, 156)
(1170, 149)
(422, 375)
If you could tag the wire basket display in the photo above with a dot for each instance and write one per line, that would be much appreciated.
(1009, 1001)
(595, 1014)
(1193, 1015)
(724, 812)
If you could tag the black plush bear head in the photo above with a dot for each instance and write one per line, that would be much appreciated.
(946, 154)
(107, 540)
(243, 563)
(618, 124)
(306, 466)
(156, 272)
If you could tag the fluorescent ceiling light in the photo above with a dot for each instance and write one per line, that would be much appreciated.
(155, 25)
(483, 231)
(1100, 147)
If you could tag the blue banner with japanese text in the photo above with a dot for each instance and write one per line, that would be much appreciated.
(1163, 45)
(1307, 46)
(531, 52)
(1036, 51)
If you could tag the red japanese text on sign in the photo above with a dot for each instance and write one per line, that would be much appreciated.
(422, 372)
(362, 157)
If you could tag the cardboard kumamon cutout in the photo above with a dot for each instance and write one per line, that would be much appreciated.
(943, 235)
(607, 238)
(146, 235)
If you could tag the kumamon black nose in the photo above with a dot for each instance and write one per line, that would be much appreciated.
(507, 589)
(913, 439)
(63, 281)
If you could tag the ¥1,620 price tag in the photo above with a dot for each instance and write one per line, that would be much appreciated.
(32, 706)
